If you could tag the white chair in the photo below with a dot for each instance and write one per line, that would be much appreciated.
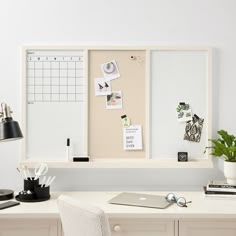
(80, 219)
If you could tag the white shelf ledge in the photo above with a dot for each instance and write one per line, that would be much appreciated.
(138, 164)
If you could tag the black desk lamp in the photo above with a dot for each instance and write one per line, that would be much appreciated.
(9, 130)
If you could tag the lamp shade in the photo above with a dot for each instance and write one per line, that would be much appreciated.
(10, 130)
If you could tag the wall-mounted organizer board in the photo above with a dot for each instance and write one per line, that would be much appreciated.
(81, 93)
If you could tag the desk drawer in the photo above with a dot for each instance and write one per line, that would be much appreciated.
(29, 227)
(217, 227)
(142, 227)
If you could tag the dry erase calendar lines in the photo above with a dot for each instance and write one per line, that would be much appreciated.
(55, 76)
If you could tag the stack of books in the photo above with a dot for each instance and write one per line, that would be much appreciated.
(219, 188)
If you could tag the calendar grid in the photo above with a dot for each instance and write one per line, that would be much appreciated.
(55, 78)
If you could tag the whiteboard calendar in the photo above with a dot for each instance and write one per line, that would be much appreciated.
(55, 76)
(56, 104)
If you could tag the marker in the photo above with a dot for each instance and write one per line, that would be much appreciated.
(68, 149)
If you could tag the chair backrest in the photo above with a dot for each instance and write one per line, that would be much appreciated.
(79, 219)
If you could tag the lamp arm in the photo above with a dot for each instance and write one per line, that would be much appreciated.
(6, 111)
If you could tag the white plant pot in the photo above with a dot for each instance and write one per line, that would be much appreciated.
(230, 172)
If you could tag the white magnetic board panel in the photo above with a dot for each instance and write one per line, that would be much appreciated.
(56, 104)
(177, 76)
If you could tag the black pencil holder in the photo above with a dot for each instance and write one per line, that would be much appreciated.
(27, 197)
(30, 183)
(42, 192)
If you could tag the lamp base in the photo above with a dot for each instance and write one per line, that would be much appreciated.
(6, 194)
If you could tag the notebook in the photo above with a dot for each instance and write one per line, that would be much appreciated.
(140, 200)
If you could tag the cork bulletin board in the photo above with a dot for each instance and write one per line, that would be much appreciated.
(105, 126)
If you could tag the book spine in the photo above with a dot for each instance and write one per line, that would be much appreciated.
(233, 190)
(219, 193)
(221, 186)
(220, 196)
(207, 192)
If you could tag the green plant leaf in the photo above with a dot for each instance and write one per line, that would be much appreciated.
(224, 146)
(228, 139)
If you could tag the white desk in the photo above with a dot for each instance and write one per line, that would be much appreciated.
(204, 216)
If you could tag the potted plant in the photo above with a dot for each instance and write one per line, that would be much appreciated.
(225, 146)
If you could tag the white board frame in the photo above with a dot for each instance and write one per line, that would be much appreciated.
(25, 49)
(106, 163)
(207, 127)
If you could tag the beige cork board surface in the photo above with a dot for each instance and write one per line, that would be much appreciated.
(105, 135)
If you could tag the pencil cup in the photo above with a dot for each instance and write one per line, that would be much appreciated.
(29, 184)
(42, 192)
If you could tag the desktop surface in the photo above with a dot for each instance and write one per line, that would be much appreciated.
(201, 207)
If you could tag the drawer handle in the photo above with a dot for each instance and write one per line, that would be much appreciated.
(117, 228)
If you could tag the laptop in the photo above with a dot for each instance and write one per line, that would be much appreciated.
(140, 200)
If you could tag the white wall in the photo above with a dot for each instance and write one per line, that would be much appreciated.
(167, 22)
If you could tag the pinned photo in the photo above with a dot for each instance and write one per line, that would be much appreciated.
(193, 129)
(110, 70)
(184, 112)
(102, 87)
(114, 100)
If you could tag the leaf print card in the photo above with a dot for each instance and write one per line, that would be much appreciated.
(193, 129)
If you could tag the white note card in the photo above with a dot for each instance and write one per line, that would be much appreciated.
(132, 138)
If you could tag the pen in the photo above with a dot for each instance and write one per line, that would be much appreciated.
(28, 173)
(68, 149)
(24, 176)
(23, 168)
(49, 182)
(43, 181)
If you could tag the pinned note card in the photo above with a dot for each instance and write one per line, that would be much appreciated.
(132, 138)
(184, 112)
(125, 121)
